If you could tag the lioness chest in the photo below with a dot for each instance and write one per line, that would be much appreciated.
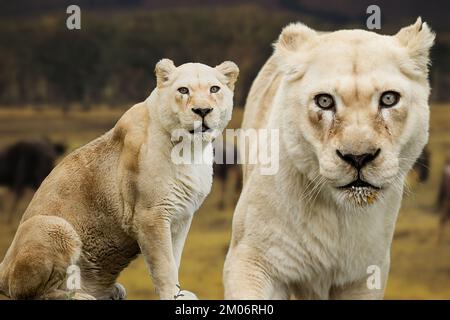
(178, 187)
(327, 248)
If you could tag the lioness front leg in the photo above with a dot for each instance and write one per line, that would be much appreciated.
(245, 278)
(155, 240)
(367, 288)
(179, 233)
(358, 290)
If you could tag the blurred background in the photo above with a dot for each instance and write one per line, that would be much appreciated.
(61, 88)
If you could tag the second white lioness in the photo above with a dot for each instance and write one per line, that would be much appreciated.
(122, 194)
(352, 112)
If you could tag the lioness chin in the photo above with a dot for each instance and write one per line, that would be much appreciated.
(121, 195)
(352, 111)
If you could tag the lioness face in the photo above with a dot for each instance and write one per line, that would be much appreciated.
(198, 98)
(358, 104)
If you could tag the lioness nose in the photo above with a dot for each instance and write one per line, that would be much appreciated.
(202, 112)
(358, 161)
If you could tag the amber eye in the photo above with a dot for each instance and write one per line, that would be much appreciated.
(214, 89)
(389, 99)
(324, 101)
(183, 90)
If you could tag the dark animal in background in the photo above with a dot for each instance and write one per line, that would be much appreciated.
(422, 165)
(25, 164)
(443, 201)
(224, 169)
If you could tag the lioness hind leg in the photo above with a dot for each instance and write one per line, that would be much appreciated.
(37, 261)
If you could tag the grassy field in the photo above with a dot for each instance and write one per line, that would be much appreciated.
(420, 266)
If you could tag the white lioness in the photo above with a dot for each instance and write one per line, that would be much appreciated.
(121, 195)
(352, 111)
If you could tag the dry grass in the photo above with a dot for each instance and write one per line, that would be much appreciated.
(420, 266)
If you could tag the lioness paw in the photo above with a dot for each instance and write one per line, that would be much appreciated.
(186, 295)
(80, 296)
(119, 292)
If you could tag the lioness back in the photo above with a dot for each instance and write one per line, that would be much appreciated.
(84, 190)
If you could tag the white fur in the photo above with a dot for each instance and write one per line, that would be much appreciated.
(296, 234)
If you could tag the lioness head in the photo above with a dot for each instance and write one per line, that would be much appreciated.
(354, 106)
(196, 97)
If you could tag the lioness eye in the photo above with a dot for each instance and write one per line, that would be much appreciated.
(389, 99)
(214, 89)
(183, 90)
(324, 101)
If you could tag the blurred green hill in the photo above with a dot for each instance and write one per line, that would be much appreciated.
(111, 59)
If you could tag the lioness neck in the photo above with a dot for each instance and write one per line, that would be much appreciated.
(153, 103)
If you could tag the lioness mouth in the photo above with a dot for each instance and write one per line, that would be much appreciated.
(202, 128)
(361, 192)
(359, 184)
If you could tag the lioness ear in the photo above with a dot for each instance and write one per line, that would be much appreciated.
(163, 69)
(418, 39)
(293, 36)
(231, 72)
